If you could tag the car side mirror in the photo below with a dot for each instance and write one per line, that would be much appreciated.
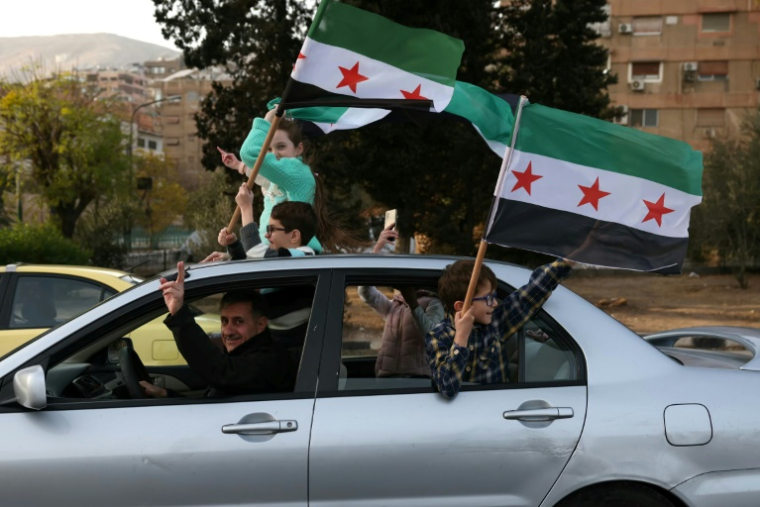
(29, 387)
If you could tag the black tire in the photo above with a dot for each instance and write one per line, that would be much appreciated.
(617, 495)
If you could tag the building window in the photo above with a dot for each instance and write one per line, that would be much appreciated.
(140, 142)
(646, 71)
(172, 141)
(170, 120)
(152, 145)
(644, 117)
(713, 71)
(716, 22)
(192, 96)
(647, 25)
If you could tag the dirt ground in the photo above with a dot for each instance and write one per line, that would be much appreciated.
(656, 303)
(645, 303)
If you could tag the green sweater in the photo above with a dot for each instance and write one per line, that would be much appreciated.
(289, 178)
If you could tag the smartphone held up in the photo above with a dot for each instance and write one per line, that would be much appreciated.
(390, 220)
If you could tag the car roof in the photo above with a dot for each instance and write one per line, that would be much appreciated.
(339, 261)
(87, 271)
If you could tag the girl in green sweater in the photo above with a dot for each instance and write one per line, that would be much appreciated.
(283, 175)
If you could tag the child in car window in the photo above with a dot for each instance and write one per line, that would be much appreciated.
(291, 226)
(408, 318)
(473, 348)
(285, 176)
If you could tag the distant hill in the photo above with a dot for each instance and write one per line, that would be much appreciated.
(82, 51)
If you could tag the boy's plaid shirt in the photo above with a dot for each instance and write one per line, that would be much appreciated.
(485, 360)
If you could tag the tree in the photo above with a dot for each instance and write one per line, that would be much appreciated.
(256, 41)
(71, 140)
(440, 176)
(6, 177)
(551, 55)
(164, 202)
(729, 216)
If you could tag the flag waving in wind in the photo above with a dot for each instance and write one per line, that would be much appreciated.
(596, 192)
(490, 114)
(353, 58)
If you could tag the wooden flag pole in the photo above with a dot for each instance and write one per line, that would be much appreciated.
(257, 165)
(475, 276)
(483, 243)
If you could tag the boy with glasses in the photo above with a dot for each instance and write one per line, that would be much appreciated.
(473, 348)
(291, 226)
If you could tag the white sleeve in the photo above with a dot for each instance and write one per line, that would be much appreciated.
(374, 298)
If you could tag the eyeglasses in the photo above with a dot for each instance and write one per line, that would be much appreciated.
(490, 299)
(272, 228)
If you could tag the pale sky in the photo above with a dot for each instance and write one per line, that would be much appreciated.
(128, 18)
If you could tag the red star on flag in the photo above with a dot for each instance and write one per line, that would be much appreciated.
(301, 56)
(525, 178)
(414, 95)
(351, 77)
(656, 210)
(592, 194)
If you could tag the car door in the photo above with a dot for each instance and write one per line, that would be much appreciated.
(168, 452)
(396, 442)
(35, 302)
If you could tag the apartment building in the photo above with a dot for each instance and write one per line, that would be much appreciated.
(161, 68)
(128, 86)
(687, 69)
(180, 136)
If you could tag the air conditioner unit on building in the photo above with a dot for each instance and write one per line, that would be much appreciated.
(623, 119)
(638, 86)
(690, 66)
(625, 28)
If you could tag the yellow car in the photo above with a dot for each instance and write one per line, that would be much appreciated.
(34, 298)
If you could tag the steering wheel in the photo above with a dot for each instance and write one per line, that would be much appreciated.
(133, 370)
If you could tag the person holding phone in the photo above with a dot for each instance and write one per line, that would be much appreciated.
(408, 317)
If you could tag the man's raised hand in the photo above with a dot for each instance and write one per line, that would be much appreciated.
(174, 291)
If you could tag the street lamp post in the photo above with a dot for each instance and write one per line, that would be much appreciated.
(129, 151)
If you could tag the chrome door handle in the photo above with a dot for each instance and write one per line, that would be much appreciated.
(539, 414)
(262, 428)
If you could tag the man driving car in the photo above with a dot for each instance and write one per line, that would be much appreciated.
(251, 361)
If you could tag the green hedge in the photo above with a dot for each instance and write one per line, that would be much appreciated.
(39, 244)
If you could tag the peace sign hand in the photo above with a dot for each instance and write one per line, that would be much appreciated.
(174, 291)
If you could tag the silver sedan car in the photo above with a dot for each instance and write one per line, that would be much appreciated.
(594, 415)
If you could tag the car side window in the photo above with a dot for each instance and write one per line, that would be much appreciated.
(546, 355)
(40, 301)
(222, 349)
(383, 346)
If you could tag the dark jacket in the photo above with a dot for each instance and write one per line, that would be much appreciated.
(258, 365)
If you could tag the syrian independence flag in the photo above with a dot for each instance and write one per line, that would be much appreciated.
(353, 58)
(491, 115)
(595, 192)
